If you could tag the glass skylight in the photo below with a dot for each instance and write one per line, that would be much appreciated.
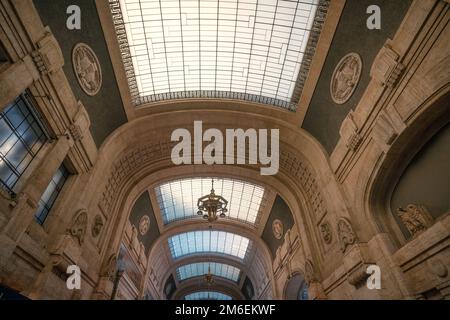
(178, 199)
(247, 49)
(194, 242)
(202, 268)
(207, 295)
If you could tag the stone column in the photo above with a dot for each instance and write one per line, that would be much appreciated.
(23, 213)
(16, 79)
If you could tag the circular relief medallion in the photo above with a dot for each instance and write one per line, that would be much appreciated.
(144, 225)
(277, 228)
(345, 78)
(87, 68)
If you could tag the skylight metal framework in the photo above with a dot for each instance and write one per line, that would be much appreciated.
(255, 50)
(207, 295)
(201, 268)
(178, 199)
(208, 241)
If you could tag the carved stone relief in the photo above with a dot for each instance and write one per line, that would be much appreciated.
(48, 57)
(345, 233)
(310, 274)
(325, 230)
(277, 229)
(438, 268)
(298, 169)
(109, 269)
(345, 78)
(144, 224)
(416, 218)
(386, 68)
(97, 226)
(79, 225)
(87, 69)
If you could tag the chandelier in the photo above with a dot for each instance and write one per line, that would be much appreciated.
(209, 276)
(212, 206)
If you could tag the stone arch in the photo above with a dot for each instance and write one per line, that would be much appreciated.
(294, 286)
(433, 115)
(137, 151)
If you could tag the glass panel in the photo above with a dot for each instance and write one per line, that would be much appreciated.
(178, 199)
(50, 194)
(21, 138)
(208, 242)
(202, 268)
(233, 49)
(207, 295)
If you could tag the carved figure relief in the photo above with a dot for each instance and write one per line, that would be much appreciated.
(277, 229)
(345, 78)
(144, 224)
(98, 226)
(325, 230)
(79, 225)
(345, 233)
(87, 69)
(416, 218)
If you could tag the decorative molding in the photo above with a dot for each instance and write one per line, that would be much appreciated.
(386, 68)
(345, 78)
(87, 69)
(75, 132)
(124, 168)
(79, 225)
(310, 50)
(48, 57)
(349, 132)
(326, 232)
(302, 172)
(277, 229)
(384, 130)
(346, 234)
(415, 217)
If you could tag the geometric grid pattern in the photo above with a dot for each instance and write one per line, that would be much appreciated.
(251, 50)
(195, 242)
(51, 193)
(21, 138)
(178, 199)
(207, 295)
(202, 268)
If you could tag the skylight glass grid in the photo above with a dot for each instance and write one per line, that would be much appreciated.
(195, 242)
(207, 295)
(201, 268)
(178, 199)
(247, 49)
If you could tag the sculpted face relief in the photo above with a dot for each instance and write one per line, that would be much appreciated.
(251, 142)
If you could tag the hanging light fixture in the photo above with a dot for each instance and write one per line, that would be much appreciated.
(212, 206)
(209, 277)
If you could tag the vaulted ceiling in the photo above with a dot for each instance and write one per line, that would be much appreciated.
(251, 50)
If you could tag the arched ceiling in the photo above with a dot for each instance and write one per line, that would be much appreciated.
(191, 247)
(253, 50)
(147, 175)
(177, 199)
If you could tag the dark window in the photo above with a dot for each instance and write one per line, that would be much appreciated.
(303, 292)
(51, 193)
(21, 138)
